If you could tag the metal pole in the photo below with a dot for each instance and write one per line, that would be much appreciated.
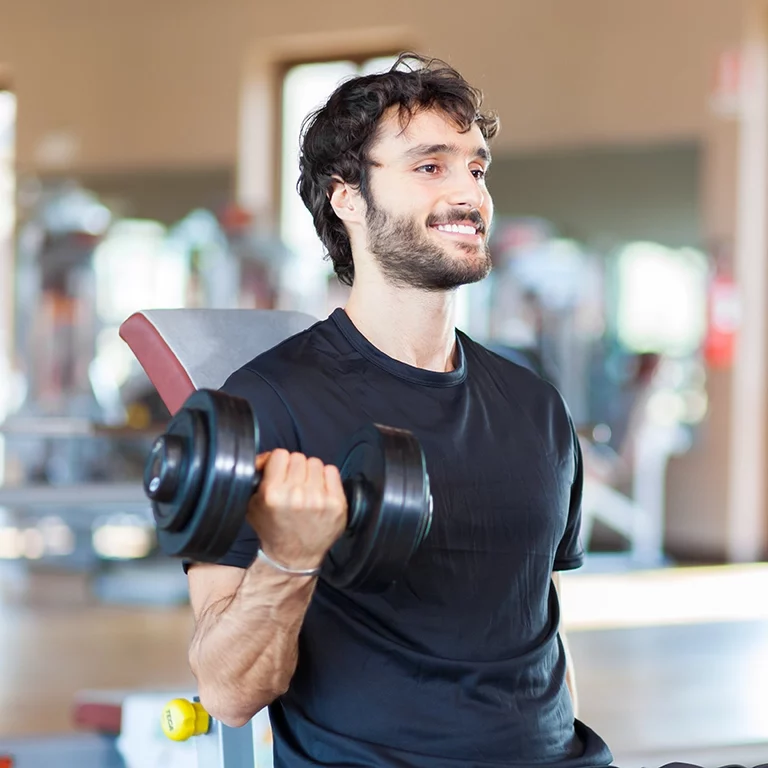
(225, 747)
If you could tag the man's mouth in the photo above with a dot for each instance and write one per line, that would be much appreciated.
(464, 231)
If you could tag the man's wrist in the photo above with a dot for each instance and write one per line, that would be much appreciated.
(285, 568)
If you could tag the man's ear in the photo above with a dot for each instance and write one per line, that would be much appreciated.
(345, 200)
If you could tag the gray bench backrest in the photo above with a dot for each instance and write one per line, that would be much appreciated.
(182, 350)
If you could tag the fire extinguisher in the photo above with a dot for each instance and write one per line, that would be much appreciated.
(723, 319)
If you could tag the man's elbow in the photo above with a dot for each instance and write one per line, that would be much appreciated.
(230, 713)
(233, 719)
(234, 711)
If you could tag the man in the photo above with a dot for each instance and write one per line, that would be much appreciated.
(460, 662)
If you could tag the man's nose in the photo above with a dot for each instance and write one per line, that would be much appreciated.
(466, 190)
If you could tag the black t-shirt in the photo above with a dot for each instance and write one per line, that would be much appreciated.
(459, 663)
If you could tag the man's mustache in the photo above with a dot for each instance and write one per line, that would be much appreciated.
(459, 217)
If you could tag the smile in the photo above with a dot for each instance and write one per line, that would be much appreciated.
(462, 230)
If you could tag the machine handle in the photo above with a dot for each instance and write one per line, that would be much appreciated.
(182, 719)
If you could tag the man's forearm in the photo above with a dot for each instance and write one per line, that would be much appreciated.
(570, 676)
(244, 650)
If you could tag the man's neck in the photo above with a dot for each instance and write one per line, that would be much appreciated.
(412, 326)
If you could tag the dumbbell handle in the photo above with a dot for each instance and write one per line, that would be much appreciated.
(354, 491)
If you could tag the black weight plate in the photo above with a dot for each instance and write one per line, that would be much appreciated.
(231, 437)
(395, 515)
(237, 480)
(407, 525)
(213, 509)
(232, 480)
(186, 478)
(227, 484)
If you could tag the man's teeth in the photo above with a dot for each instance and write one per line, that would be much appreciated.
(459, 228)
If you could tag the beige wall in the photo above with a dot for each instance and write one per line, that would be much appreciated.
(134, 83)
(147, 83)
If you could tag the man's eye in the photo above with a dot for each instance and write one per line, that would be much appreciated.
(429, 168)
(479, 173)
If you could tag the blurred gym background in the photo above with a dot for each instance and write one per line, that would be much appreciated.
(148, 158)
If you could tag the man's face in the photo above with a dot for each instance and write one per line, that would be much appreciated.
(429, 211)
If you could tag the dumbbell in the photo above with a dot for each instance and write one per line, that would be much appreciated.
(201, 473)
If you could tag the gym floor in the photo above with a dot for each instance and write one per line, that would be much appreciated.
(671, 665)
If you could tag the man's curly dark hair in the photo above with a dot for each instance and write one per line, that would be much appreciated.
(337, 137)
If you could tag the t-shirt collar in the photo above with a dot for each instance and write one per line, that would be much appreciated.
(395, 367)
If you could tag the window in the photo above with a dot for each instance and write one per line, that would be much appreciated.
(661, 303)
(306, 87)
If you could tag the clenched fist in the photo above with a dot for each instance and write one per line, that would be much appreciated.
(299, 510)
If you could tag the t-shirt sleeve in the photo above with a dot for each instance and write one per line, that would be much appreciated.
(570, 551)
(276, 430)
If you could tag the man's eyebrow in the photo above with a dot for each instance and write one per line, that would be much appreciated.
(424, 150)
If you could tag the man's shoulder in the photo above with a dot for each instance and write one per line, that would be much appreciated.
(273, 381)
(521, 379)
(519, 366)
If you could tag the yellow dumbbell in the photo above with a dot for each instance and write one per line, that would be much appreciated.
(182, 719)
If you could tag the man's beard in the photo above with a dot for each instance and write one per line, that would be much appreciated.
(408, 257)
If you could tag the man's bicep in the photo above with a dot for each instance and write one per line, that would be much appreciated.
(570, 550)
(270, 411)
